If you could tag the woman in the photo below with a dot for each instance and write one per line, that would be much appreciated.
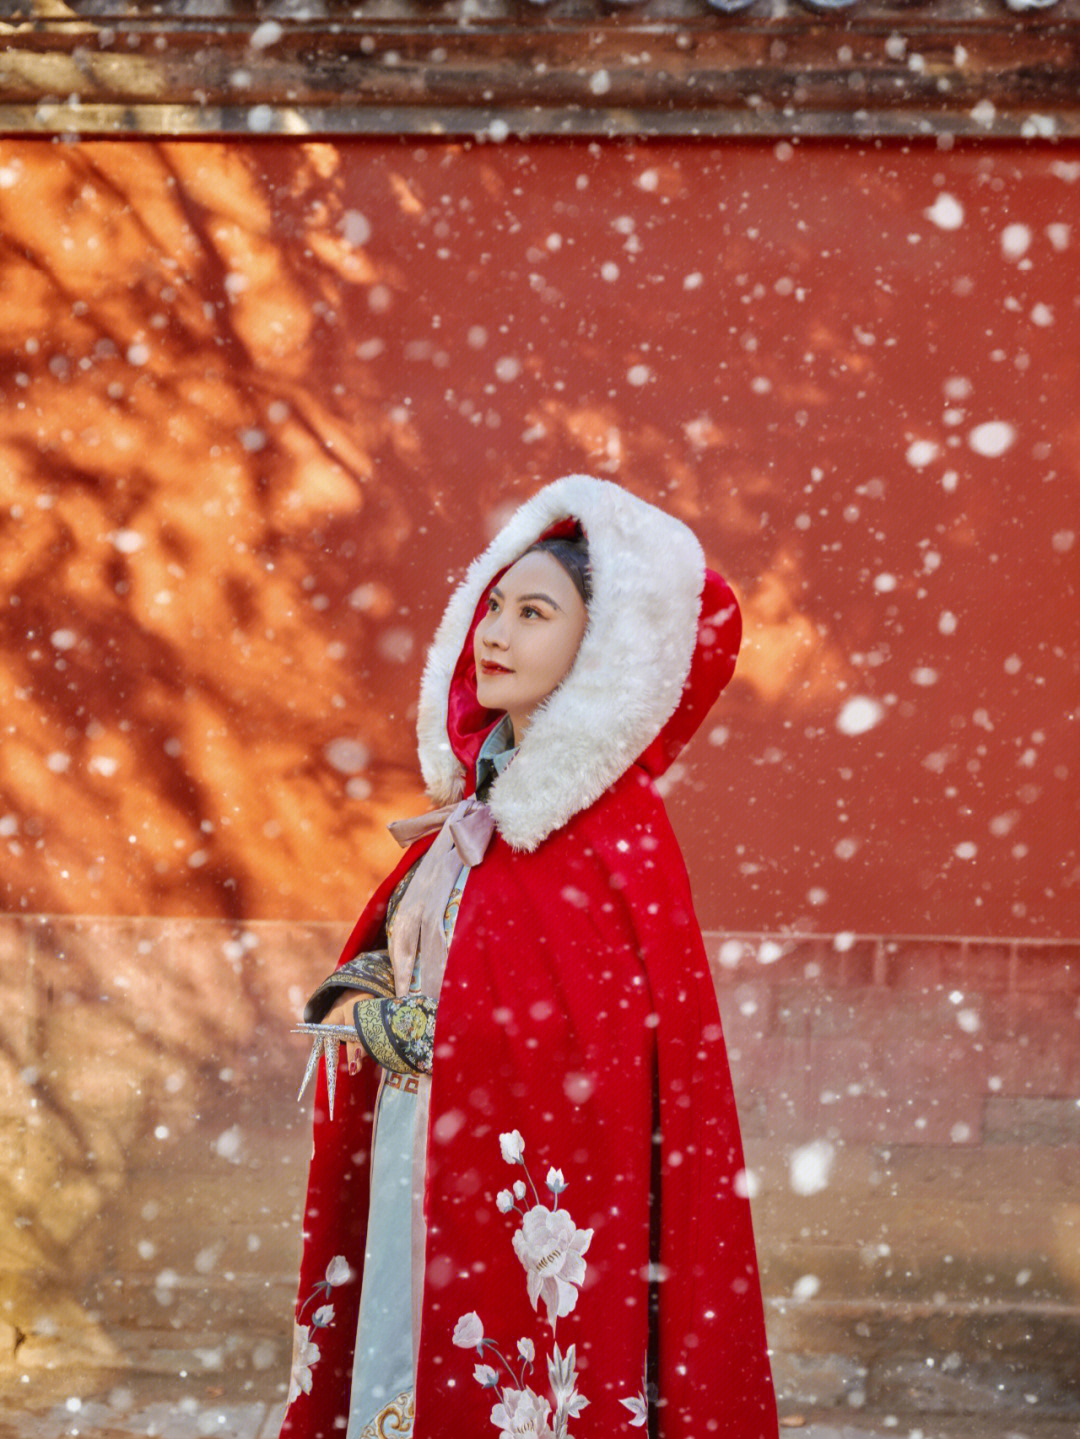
(554, 1181)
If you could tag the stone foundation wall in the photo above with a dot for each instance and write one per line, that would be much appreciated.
(911, 1111)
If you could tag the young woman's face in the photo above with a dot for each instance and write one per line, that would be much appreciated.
(526, 643)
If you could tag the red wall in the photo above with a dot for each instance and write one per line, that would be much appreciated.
(314, 377)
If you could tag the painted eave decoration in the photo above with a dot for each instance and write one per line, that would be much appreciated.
(498, 68)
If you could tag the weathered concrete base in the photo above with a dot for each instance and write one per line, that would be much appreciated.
(919, 1277)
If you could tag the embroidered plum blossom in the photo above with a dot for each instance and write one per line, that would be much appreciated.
(550, 1247)
(527, 1350)
(305, 1357)
(512, 1146)
(323, 1318)
(504, 1201)
(522, 1412)
(469, 1332)
(485, 1375)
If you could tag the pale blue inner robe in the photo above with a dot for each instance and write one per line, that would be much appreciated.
(384, 1377)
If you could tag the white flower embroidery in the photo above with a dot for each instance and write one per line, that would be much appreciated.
(639, 1405)
(555, 1181)
(469, 1332)
(522, 1412)
(512, 1146)
(562, 1372)
(338, 1271)
(305, 1350)
(639, 1409)
(305, 1357)
(550, 1248)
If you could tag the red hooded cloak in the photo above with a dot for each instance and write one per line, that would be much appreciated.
(578, 1047)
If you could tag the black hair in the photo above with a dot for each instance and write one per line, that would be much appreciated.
(573, 555)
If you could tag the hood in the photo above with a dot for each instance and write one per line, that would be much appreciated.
(659, 645)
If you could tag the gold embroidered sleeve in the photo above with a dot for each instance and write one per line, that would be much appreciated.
(368, 973)
(399, 1034)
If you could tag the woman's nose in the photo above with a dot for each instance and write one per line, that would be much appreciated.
(494, 631)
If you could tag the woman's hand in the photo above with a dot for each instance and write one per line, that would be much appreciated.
(398, 1034)
(342, 1013)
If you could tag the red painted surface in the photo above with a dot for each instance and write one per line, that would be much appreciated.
(789, 346)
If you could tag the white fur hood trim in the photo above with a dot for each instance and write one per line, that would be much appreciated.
(648, 572)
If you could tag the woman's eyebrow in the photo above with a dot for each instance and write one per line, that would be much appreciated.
(538, 596)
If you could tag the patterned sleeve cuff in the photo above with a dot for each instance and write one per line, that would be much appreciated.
(399, 1034)
(368, 973)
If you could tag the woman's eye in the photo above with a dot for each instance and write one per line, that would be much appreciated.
(527, 610)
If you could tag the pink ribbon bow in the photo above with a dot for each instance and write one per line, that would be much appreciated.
(465, 831)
